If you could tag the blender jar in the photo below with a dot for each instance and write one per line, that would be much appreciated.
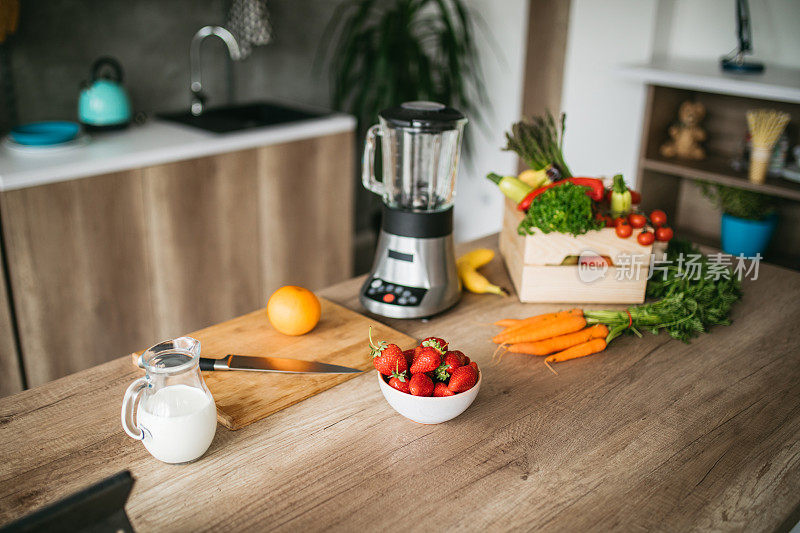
(421, 144)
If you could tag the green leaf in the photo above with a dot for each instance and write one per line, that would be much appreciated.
(441, 373)
(737, 202)
(564, 208)
(397, 50)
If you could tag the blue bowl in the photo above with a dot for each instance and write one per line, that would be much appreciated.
(747, 237)
(45, 133)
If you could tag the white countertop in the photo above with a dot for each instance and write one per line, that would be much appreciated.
(154, 143)
(775, 83)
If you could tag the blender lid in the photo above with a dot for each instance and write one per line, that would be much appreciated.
(424, 115)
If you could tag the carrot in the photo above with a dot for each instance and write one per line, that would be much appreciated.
(579, 350)
(562, 342)
(532, 321)
(507, 322)
(550, 328)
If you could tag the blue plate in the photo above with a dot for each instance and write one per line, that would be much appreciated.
(45, 133)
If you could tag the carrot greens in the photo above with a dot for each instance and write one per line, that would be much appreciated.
(689, 302)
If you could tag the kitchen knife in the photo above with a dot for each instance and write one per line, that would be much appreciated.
(269, 364)
(273, 364)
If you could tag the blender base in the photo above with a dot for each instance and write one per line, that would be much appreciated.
(412, 277)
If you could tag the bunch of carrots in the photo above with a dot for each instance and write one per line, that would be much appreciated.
(560, 336)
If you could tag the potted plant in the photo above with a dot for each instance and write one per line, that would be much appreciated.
(393, 51)
(748, 218)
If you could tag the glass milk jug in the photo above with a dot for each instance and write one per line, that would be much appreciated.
(175, 416)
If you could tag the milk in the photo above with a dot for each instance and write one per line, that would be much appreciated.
(179, 423)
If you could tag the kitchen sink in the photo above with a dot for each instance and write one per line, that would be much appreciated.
(241, 117)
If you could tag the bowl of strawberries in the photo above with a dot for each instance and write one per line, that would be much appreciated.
(429, 383)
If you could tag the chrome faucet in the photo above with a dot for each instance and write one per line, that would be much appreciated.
(198, 97)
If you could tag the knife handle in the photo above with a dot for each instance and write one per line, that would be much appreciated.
(207, 364)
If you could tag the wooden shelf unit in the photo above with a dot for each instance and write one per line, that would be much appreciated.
(718, 169)
(670, 184)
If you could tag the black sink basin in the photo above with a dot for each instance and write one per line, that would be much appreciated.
(241, 117)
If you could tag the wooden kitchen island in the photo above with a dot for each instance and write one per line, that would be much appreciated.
(651, 434)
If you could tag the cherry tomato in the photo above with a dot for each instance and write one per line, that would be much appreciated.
(637, 220)
(624, 230)
(663, 234)
(620, 220)
(645, 238)
(636, 198)
(658, 217)
(606, 220)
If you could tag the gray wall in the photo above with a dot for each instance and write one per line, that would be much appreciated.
(58, 39)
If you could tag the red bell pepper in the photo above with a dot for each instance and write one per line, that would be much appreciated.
(526, 202)
(594, 190)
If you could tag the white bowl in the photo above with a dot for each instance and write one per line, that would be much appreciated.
(429, 409)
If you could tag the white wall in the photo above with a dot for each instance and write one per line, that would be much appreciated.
(605, 112)
(707, 29)
(478, 206)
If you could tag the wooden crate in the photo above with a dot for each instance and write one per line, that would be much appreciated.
(534, 265)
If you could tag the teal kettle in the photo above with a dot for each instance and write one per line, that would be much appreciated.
(103, 103)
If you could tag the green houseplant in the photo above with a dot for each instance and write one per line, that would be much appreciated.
(387, 52)
(748, 218)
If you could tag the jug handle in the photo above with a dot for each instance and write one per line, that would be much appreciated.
(368, 164)
(132, 396)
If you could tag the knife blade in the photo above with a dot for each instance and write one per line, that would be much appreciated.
(273, 364)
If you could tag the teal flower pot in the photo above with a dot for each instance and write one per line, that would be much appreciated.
(747, 237)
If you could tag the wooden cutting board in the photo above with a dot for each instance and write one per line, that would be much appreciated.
(245, 397)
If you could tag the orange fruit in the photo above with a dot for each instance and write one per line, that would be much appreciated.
(293, 310)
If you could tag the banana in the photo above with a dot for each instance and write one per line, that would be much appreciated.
(474, 281)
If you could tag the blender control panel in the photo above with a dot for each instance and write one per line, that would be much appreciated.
(393, 293)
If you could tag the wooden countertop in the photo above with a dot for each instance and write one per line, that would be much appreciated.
(650, 434)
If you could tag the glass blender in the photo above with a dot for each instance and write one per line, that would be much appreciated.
(414, 272)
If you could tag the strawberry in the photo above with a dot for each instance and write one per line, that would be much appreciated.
(454, 360)
(463, 379)
(399, 382)
(440, 345)
(420, 385)
(409, 355)
(427, 360)
(387, 358)
(474, 365)
(440, 389)
(390, 360)
(466, 361)
(417, 351)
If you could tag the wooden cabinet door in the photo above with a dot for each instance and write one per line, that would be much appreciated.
(202, 226)
(306, 212)
(10, 371)
(78, 265)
